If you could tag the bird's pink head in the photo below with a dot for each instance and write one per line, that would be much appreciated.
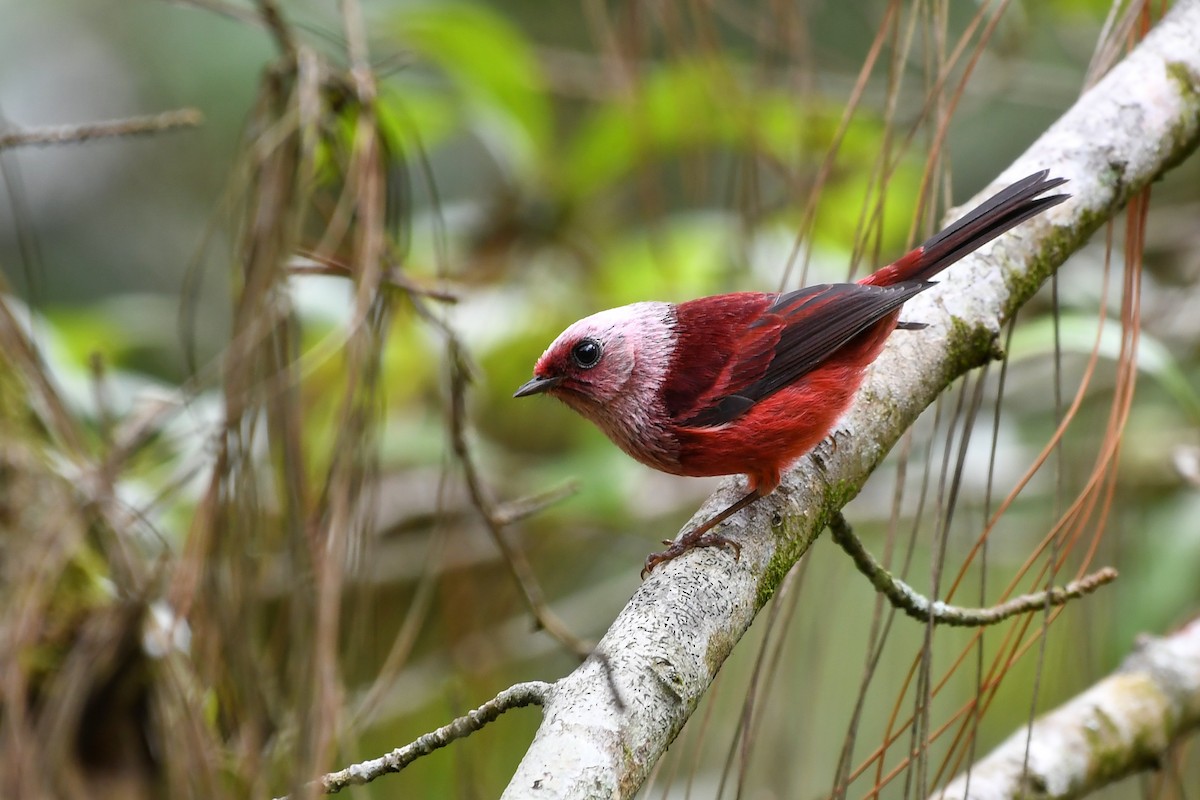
(609, 368)
(595, 358)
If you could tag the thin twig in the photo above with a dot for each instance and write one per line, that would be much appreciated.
(532, 693)
(312, 264)
(525, 507)
(228, 10)
(908, 600)
(272, 18)
(130, 126)
(514, 556)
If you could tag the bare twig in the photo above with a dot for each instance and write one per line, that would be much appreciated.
(130, 126)
(224, 9)
(20, 349)
(513, 555)
(532, 693)
(919, 607)
(524, 507)
(356, 47)
(272, 18)
(312, 264)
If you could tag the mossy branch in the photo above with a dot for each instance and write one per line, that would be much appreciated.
(1122, 724)
(517, 696)
(921, 608)
(666, 646)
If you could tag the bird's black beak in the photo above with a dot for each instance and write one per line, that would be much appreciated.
(537, 385)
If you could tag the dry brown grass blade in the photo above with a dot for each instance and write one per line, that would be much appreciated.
(1079, 516)
(22, 355)
(1087, 512)
(73, 676)
(310, 507)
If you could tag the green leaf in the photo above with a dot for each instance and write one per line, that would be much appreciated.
(684, 107)
(494, 72)
(841, 213)
(686, 256)
(409, 112)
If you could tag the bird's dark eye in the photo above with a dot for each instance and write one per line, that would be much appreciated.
(586, 353)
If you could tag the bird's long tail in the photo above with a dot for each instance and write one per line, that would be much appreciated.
(992, 217)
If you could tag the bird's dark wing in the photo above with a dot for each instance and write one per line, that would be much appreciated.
(709, 334)
(791, 336)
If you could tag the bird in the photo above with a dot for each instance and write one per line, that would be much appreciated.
(749, 382)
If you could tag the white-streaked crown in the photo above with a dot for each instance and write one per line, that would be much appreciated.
(621, 393)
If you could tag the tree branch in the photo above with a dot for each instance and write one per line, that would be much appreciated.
(518, 696)
(919, 607)
(668, 643)
(1123, 724)
(130, 126)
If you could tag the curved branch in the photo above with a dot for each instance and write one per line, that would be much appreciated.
(1123, 724)
(668, 643)
(532, 693)
(911, 602)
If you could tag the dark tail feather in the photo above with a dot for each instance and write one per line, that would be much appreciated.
(994, 216)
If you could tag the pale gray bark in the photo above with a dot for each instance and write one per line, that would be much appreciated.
(1120, 725)
(606, 724)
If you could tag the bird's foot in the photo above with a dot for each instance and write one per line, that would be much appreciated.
(690, 542)
(826, 448)
(700, 537)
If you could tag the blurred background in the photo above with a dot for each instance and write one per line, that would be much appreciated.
(544, 161)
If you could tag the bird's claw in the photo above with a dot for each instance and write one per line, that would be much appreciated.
(678, 548)
(830, 443)
(826, 448)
